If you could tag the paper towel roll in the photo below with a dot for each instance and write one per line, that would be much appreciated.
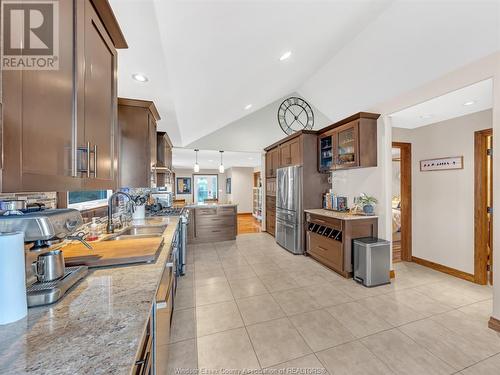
(13, 302)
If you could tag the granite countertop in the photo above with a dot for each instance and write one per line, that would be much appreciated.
(339, 215)
(95, 329)
(205, 205)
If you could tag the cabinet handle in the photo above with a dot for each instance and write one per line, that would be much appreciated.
(95, 161)
(86, 150)
(88, 159)
(322, 248)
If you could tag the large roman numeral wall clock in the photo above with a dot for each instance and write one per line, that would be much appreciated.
(295, 114)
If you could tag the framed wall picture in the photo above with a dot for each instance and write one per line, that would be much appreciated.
(228, 185)
(183, 185)
(442, 164)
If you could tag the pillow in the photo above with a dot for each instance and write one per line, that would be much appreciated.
(396, 202)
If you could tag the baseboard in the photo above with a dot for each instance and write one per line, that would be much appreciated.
(392, 274)
(494, 324)
(444, 269)
(245, 214)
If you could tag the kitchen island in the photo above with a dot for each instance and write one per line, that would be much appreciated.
(212, 222)
(329, 236)
(98, 327)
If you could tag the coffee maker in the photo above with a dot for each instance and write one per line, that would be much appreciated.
(47, 280)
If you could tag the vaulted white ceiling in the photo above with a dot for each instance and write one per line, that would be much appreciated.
(206, 60)
(461, 102)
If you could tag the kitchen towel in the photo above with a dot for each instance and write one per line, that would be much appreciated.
(13, 302)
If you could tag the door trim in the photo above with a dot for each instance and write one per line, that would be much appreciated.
(406, 200)
(480, 209)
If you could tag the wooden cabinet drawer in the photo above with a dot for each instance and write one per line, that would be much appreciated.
(323, 220)
(145, 357)
(215, 233)
(215, 221)
(271, 222)
(327, 249)
(206, 211)
(271, 203)
(226, 211)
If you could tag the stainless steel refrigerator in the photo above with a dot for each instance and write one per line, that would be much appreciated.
(289, 220)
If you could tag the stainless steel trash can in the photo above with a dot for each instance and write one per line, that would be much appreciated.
(372, 261)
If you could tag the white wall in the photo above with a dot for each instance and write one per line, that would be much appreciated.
(351, 183)
(253, 132)
(241, 188)
(443, 201)
(189, 173)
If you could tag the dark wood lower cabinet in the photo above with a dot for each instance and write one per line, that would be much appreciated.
(329, 240)
(144, 361)
(212, 224)
(271, 215)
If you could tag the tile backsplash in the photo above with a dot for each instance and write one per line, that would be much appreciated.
(49, 199)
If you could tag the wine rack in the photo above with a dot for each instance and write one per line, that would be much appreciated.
(325, 231)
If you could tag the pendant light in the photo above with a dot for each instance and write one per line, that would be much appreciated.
(221, 166)
(196, 165)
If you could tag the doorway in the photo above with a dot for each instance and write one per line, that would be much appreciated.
(401, 203)
(205, 188)
(483, 206)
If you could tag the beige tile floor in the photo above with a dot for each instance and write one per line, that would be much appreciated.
(250, 305)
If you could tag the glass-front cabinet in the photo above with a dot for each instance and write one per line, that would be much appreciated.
(339, 148)
(326, 153)
(346, 146)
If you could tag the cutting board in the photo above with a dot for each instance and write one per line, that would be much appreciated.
(112, 253)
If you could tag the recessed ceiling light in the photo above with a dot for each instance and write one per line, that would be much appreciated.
(248, 106)
(286, 55)
(470, 102)
(426, 116)
(210, 160)
(250, 158)
(140, 77)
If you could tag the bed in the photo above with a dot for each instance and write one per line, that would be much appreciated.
(396, 215)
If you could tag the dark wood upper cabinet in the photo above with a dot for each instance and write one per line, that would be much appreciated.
(59, 125)
(138, 142)
(164, 150)
(272, 162)
(350, 143)
(290, 153)
(164, 174)
(100, 102)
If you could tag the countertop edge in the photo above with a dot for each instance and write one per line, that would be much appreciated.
(339, 215)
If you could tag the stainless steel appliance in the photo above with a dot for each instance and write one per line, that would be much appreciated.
(372, 260)
(183, 241)
(289, 220)
(40, 228)
(49, 266)
(39, 294)
(164, 198)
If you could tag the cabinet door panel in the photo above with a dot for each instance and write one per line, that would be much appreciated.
(284, 155)
(100, 98)
(295, 152)
(42, 138)
(346, 142)
(134, 144)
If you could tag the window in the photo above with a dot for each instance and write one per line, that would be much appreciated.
(82, 200)
(205, 187)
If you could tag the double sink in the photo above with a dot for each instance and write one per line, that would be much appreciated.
(146, 229)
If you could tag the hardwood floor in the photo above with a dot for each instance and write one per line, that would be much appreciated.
(248, 224)
(396, 251)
